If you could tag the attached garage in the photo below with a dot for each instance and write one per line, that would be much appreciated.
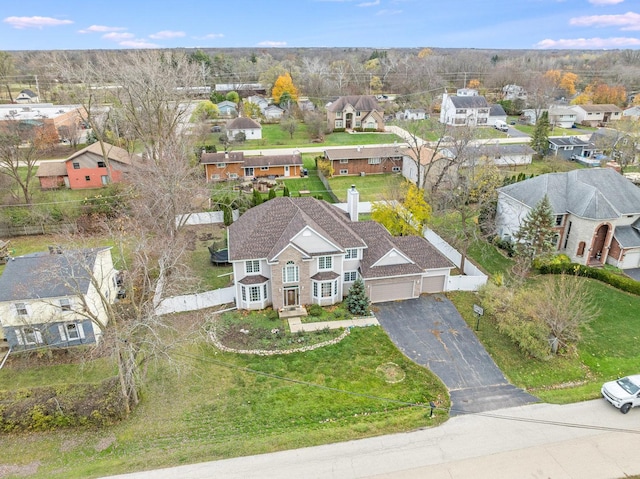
(433, 284)
(391, 289)
(631, 259)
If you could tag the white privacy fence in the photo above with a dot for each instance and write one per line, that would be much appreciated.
(472, 279)
(193, 302)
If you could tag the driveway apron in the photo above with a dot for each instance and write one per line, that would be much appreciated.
(430, 331)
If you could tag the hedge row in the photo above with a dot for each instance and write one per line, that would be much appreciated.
(68, 405)
(623, 283)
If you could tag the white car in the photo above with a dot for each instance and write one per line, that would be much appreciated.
(623, 393)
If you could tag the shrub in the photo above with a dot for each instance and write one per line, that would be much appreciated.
(315, 310)
(507, 246)
(620, 282)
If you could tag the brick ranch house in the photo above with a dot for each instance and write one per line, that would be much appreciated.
(362, 160)
(235, 165)
(292, 251)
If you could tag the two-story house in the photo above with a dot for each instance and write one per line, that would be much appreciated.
(289, 252)
(56, 298)
(355, 112)
(466, 109)
(596, 115)
(597, 213)
(361, 160)
(87, 168)
(235, 165)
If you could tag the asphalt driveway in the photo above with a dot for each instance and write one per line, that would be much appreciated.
(430, 331)
(633, 273)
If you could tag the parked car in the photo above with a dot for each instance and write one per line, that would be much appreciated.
(501, 125)
(216, 129)
(574, 157)
(623, 393)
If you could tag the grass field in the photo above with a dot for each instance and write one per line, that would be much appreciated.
(211, 405)
(370, 187)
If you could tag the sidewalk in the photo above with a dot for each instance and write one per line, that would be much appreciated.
(296, 325)
(588, 440)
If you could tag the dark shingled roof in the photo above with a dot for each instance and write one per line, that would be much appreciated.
(253, 279)
(213, 158)
(265, 230)
(595, 193)
(44, 275)
(628, 236)
(355, 153)
(475, 101)
(242, 123)
(497, 110)
(272, 160)
(568, 141)
(358, 102)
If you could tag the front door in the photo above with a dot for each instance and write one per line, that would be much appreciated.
(286, 170)
(291, 296)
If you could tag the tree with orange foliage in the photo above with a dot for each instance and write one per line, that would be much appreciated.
(554, 76)
(474, 83)
(605, 94)
(283, 84)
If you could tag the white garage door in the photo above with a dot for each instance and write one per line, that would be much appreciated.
(632, 260)
(433, 284)
(391, 291)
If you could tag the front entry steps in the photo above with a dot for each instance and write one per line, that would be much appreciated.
(292, 312)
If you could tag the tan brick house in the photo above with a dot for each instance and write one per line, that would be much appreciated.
(355, 112)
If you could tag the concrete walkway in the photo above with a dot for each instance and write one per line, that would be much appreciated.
(296, 325)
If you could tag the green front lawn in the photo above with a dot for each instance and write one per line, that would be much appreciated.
(210, 405)
(370, 187)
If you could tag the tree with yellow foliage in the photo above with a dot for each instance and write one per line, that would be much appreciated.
(283, 84)
(406, 218)
(424, 53)
(554, 76)
(568, 83)
(474, 83)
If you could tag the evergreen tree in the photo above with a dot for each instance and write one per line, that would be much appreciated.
(357, 300)
(536, 237)
(540, 139)
(272, 193)
(285, 191)
(257, 198)
(227, 215)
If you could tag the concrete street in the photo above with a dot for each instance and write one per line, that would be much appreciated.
(588, 440)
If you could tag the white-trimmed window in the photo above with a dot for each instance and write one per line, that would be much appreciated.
(264, 168)
(325, 262)
(221, 165)
(396, 169)
(28, 335)
(254, 293)
(21, 309)
(252, 266)
(375, 161)
(338, 114)
(326, 289)
(461, 111)
(71, 331)
(350, 276)
(65, 304)
(351, 253)
(344, 160)
(233, 176)
(244, 293)
(357, 113)
(338, 123)
(215, 177)
(290, 273)
(344, 172)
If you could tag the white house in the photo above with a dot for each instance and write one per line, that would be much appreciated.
(273, 113)
(597, 213)
(227, 108)
(596, 115)
(562, 116)
(27, 96)
(56, 299)
(632, 113)
(250, 128)
(413, 114)
(514, 92)
(498, 154)
(464, 110)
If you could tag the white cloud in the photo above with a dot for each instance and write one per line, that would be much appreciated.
(118, 36)
(589, 43)
(272, 44)
(167, 34)
(35, 22)
(213, 35)
(101, 29)
(625, 21)
(138, 44)
(369, 4)
(605, 2)
(387, 13)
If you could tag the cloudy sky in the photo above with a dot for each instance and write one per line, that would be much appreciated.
(520, 24)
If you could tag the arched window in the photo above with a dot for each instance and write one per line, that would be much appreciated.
(581, 247)
(290, 273)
